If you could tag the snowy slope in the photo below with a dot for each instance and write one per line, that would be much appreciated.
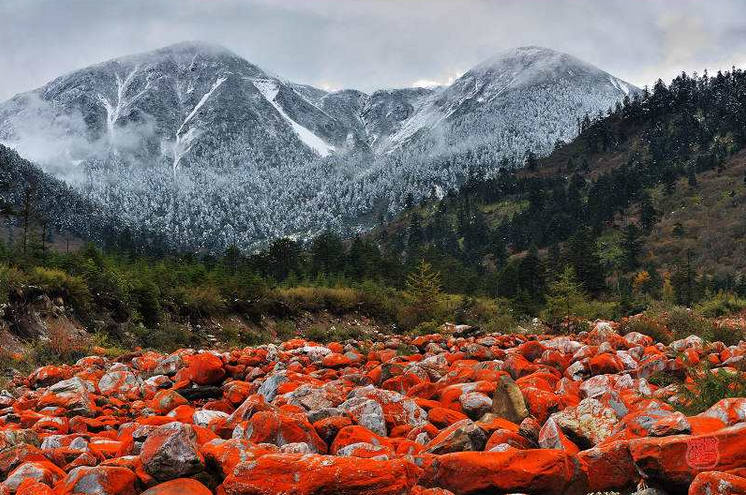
(269, 90)
(197, 143)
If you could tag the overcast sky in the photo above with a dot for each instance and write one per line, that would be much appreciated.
(368, 44)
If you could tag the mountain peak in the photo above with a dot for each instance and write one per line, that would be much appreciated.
(196, 46)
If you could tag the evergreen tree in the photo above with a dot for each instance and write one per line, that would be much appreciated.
(327, 254)
(648, 213)
(283, 258)
(531, 274)
(423, 289)
(631, 247)
(583, 257)
(564, 296)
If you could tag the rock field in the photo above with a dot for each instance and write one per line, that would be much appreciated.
(427, 415)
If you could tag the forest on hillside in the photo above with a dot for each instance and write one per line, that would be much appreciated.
(565, 236)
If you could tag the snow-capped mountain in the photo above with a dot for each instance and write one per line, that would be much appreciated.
(193, 141)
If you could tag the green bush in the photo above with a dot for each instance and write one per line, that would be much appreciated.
(646, 325)
(57, 283)
(10, 278)
(147, 301)
(167, 336)
(683, 323)
(727, 334)
(721, 304)
(427, 328)
(709, 387)
(201, 301)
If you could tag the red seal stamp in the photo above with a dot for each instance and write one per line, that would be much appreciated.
(702, 452)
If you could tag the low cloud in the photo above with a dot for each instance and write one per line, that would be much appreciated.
(369, 44)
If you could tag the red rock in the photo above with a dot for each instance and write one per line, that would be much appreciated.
(280, 428)
(605, 363)
(729, 411)
(507, 437)
(13, 456)
(539, 472)
(541, 404)
(33, 487)
(319, 474)
(204, 368)
(100, 480)
(461, 436)
(166, 401)
(328, 428)
(609, 467)
(227, 454)
(171, 451)
(355, 434)
(335, 360)
(718, 483)
(237, 391)
(552, 437)
(179, 486)
(42, 471)
(676, 460)
(441, 417)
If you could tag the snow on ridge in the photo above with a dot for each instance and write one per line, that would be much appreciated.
(620, 85)
(201, 102)
(183, 142)
(269, 89)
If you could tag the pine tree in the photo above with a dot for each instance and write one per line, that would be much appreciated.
(564, 295)
(631, 247)
(648, 213)
(423, 289)
(531, 274)
(583, 257)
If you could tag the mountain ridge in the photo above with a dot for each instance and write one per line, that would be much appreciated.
(152, 135)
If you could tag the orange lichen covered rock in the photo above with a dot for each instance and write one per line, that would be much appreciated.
(179, 486)
(101, 480)
(317, 474)
(459, 414)
(171, 451)
(539, 472)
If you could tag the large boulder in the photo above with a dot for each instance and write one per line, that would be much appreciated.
(74, 395)
(537, 472)
(318, 474)
(460, 436)
(179, 486)
(170, 451)
(98, 480)
(676, 460)
(587, 424)
(508, 401)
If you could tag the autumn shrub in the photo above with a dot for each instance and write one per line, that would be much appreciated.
(63, 343)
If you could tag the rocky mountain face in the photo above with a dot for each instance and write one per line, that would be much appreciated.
(199, 144)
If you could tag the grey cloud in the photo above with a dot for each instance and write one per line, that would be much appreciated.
(368, 44)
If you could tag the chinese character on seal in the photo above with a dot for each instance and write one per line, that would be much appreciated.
(702, 452)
